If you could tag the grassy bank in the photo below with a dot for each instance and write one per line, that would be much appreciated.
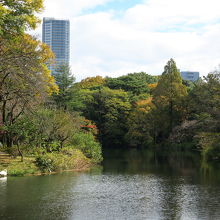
(15, 167)
(47, 163)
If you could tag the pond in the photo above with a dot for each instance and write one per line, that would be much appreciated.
(130, 184)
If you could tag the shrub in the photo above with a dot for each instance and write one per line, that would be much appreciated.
(210, 143)
(88, 145)
(212, 153)
(45, 163)
(67, 159)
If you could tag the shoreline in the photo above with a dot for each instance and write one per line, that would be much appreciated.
(29, 167)
(77, 170)
(57, 172)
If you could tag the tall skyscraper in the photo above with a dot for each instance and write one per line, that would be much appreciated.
(56, 34)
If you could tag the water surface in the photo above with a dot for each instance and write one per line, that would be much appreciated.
(131, 184)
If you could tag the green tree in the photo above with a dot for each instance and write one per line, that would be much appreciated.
(134, 83)
(109, 111)
(204, 102)
(80, 99)
(46, 128)
(18, 16)
(64, 80)
(168, 96)
(82, 93)
(54, 127)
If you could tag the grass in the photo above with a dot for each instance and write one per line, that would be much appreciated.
(68, 159)
(15, 167)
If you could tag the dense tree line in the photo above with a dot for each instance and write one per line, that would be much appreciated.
(141, 110)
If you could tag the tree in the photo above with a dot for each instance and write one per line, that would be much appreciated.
(168, 95)
(50, 129)
(109, 111)
(204, 101)
(80, 99)
(55, 127)
(141, 124)
(134, 83)
(82, 93)
(64, 80)
(25, 80)
(18, 16)
(92, 82)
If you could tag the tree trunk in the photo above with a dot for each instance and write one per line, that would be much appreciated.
(171, 116)
(20, 152)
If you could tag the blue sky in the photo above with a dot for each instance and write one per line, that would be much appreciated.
(116, 37)
(119, 6)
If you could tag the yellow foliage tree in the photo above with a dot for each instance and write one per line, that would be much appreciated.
(91, 82)
(18, 16)
(25, 80)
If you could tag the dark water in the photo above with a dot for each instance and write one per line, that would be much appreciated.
(130, 185)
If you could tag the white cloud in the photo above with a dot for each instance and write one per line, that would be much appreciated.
(69, 8)
(143, 38)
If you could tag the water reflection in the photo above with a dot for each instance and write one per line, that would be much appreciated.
(3, 189)
(166, 163)
(3, 180)
(130, 185)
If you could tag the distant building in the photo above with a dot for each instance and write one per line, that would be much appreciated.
(56, 34)
(191, 76)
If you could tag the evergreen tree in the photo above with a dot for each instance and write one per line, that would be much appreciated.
(64, 80)
(169, 94)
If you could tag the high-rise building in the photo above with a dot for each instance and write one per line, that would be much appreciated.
(56, 34)
(191, 76)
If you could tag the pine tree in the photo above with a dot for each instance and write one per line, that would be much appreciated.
(64, 80)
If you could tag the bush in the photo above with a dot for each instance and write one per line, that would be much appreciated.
(212, 153)
(45, 163)
(17, 168)
(88, 145)
(67, 159)
(210, 144)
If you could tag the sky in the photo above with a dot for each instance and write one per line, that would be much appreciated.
(116, 37)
